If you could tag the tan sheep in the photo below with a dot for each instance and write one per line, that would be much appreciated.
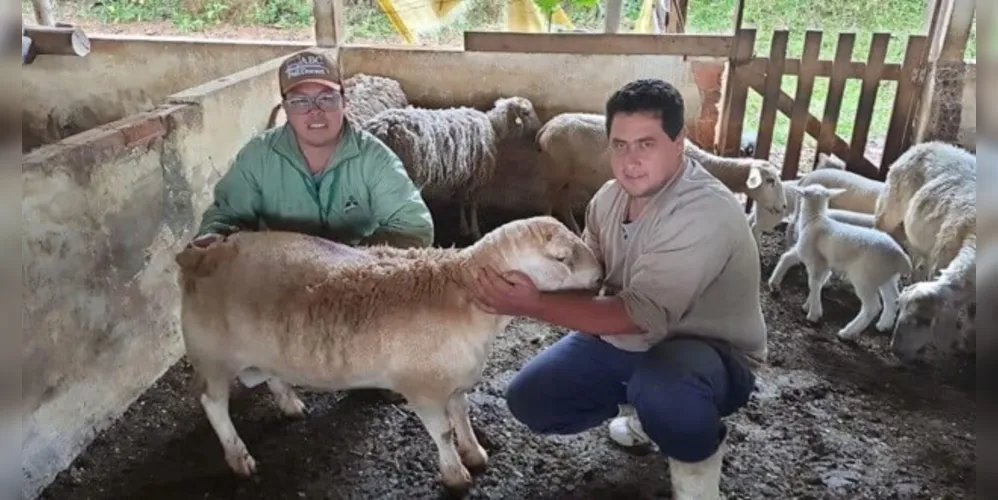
(451, 153)
(287, 308)
(575, 164)
(932, 194)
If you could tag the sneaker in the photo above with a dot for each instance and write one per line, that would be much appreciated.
(626, 431)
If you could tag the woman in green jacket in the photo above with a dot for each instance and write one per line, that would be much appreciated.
(318, 174)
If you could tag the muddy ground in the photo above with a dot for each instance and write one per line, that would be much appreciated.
(829, 420)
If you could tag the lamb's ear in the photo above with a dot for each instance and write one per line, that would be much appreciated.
(833, 192)
(754, 178)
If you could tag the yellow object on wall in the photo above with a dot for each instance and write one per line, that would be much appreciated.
(525, 17)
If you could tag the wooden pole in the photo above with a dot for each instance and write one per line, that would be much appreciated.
(329, 30)
(51, 40)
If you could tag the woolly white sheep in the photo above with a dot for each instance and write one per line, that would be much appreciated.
(451, 153)
(575, 164)
(871, 260)
(288, 308)
(368, 95)
(932, 194)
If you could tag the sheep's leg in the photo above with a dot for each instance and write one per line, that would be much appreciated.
(869, 297)
(286, 399)
(435, 419)
(215, 401)
(472, 453)
(817, 274)
(889, 293)
(476, 232)
(789, 259)
(463, 222)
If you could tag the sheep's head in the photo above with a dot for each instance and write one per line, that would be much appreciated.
(515, 116)
(765, 188)
(920, 306)
(543, 248)
(813, 193)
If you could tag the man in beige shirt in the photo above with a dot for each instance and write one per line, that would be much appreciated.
(681, 328)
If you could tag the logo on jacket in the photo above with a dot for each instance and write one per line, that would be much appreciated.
(351, 204)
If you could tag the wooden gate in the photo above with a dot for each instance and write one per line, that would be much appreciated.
(764, 75)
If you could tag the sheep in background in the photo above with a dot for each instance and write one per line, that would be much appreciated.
(575, 164)
(451, 153)
(296, 309)
(368, 95)
(871, 260)
(932, 193)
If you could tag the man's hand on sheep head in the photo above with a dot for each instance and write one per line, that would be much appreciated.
(508, 294)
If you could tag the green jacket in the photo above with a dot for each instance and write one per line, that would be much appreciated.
(364, 197)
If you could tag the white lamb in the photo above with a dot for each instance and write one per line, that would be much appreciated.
(932, 195)
(451, 153)
(871, 260)
(575, 164)
(293, 309)
(860, 194)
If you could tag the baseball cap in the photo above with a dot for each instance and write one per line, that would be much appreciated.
(308, 67)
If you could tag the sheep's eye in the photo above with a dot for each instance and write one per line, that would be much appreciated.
(771, 182)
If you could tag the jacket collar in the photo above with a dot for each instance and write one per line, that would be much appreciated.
(286, 145)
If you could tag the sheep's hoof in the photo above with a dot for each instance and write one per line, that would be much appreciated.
(885, 327)
(847, 335)
(457, 484)
(292, 407)
(475, 460)
(241, 462)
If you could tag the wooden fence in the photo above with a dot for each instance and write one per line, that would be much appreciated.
(765, 75)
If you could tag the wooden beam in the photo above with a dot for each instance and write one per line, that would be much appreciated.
(736, 93)
(800, 114)
(676, 22)
(329, 30)
(595, 43)
(957, 31)
(900, 128)
(51, 40)
(853, 69)
(612, 11)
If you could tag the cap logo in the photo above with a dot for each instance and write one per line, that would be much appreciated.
(307, 65)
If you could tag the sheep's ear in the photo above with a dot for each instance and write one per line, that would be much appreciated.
(833, 192)
(754, 178)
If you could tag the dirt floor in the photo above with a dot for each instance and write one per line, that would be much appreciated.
(829, 420)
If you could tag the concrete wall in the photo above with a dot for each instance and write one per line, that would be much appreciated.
(124, 75)
(104, 212)
(555, 83)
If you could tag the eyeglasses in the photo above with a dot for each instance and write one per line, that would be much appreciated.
(300, 104)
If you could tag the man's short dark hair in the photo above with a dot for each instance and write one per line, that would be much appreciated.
(649, 95)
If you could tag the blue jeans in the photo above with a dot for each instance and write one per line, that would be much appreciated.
(681, 389)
